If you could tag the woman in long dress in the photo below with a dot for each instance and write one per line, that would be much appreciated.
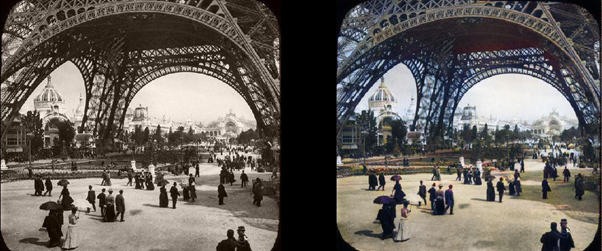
(387, 222)
(185, 192)
(71, 237)
(192, 191)
(149, 182)
(66, 198)
(163, 202)
(53, 227)
(403, 228)
(490, 191)
(398, 194)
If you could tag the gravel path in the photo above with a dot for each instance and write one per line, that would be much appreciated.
(198, 225)
(477, 224)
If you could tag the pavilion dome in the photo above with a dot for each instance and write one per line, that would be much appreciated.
(49, 94)
(382, 94)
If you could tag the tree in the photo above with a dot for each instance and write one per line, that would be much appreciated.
(474, 135)
(398, 132)
(485, 133)
(157, 136)
(190, 136)
(34, 125)
(137, 135)
(146, 136)
(66, 133)
(367, 123)
(516, 133)
(466, 133)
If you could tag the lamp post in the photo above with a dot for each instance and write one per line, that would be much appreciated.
(364, 133)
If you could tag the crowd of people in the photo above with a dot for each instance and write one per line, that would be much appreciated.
(113, 207)
(441, 201)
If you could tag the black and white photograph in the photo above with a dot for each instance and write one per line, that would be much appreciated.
(140, 125)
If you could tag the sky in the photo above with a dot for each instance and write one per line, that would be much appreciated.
(180, 95)
(507, 96)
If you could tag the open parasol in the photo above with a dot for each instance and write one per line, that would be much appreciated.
(384, 200)
(395, 177)
(63, 182)
(51, 205)
(162, 183)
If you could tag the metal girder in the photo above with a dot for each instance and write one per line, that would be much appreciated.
(120, 46)
(382, 34)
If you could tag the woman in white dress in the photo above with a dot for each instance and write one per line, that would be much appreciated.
(403, 229)
(72, 238)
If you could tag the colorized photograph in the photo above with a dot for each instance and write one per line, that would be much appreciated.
(468, 125)
(140, 125)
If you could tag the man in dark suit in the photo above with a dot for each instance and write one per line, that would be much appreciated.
(244, 179)
(545, 188)
(449, 200)
(39, 186)
(120, 205)
(91, 198)
(566, 239)
(432, 196)
(567, 174)
(174, 194)
(550, 239)
(229, 244)
(101, 202)
(501, 188)
(221, 193)
(422, 192)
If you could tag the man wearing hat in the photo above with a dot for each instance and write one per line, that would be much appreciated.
(566, 239)
(101, 202)
(243, 241)
(120, 203)
(449, 199)
(257, 192)
(550, 239)
(432, 196)
(229, 244)
(501, 188)
(174, 194)
(221, 193)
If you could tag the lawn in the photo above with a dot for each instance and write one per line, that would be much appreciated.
(562, 196)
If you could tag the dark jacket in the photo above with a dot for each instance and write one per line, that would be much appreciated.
(566, 172)
(422, 191)
(545, 187)
(566, 241)
(48, 184)
(381, 179)
(39, 184)
(120, 203)
(227, 245)
(91, 196)
(432, 193)
(550, 241)
(101, 199)
(221, 191)
(449, 197)
(174, 192)
(500, 186)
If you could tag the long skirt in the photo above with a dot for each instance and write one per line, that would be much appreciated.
(108, 182)
(163, 201)
(150, 186)
(511, 188)
(403, 231)
(71, 238)
(110, 213)
(490, 195)
(439, 206)
(192, 193)
(186, 194)
(66, 202)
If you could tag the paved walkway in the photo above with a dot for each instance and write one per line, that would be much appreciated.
(198, 225)
(477, 224)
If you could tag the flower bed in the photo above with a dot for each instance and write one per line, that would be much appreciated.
(16, 176)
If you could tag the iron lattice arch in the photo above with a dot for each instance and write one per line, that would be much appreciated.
(120, 46)
(450, 46)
